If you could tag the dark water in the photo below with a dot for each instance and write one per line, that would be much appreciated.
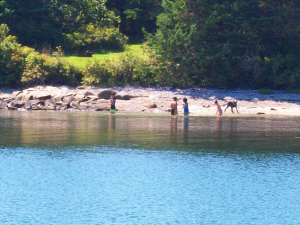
(96, 168)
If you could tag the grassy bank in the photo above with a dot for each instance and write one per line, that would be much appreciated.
(81, 61)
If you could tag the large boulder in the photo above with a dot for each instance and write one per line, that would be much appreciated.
(99, 105)
(123, 97)
(87, 93)
(24, 96)
(106, 94)
(67, 99)
(83, 106)
(4, 104)
(18, 104)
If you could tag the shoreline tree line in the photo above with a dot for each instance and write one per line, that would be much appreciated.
(205, 43)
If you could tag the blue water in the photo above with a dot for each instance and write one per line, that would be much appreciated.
(88, 168)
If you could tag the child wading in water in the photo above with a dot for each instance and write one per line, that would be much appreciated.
(112, 103)
(174, 107)
(219, 110)
(185, 107)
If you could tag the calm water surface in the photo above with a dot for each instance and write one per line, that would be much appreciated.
(96, 168)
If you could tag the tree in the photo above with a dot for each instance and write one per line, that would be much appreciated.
(136, 15)
(227, 43)
(32, 23)
(45, 22)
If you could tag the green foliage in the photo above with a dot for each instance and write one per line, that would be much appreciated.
(209, 43)
(3, 31)
(228, 44)
(43, 69)
(39, 23)
(21, 65)
(32, 22)
(136, 15)
(96, 39)
(128, 68)
(12, 58)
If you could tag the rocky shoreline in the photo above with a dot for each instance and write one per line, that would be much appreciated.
(153, 100)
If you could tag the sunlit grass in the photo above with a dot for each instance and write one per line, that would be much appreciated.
(81, 61)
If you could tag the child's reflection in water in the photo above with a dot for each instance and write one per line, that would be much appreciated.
(174, 129)
(186, 129)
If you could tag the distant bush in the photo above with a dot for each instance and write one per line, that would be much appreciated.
(43, 69)
(96, 39)
(21, 65)
(128, 68)
(12, 58)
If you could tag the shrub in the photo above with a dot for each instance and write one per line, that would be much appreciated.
(23, 66)
(3, 32)
(12, 61)
(96, 39)
(42, 69)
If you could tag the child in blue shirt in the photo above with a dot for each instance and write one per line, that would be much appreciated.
(185, 107)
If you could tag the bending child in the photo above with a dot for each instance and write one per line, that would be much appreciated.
(219, 110)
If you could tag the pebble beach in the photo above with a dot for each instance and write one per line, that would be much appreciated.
(157, 100)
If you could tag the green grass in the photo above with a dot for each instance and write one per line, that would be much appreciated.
(81, 61)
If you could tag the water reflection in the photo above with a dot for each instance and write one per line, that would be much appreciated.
(218, 128)
(186, 129)
(111, 127)
(173, 133)
(151, 132)
(88, 164)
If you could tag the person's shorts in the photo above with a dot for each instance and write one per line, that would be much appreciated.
(112, 108)
(173, 112)
(186, 111)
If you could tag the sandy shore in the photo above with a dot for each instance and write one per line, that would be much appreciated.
(201, 101)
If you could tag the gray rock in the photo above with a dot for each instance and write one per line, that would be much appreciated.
(56, 99)
(74, 104)
(106, 94)
(88, 93)
(24, 97)
(83, 106)
(102, 109)
(43, 95)
(123, 97)
(80, 98)
(19, 104)
(67, 99)
(63, 108)
(12, 108)
(99, 106)
(151, 105)
(16, 93)
(93, 97)
(27, 105)
(50, 107)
